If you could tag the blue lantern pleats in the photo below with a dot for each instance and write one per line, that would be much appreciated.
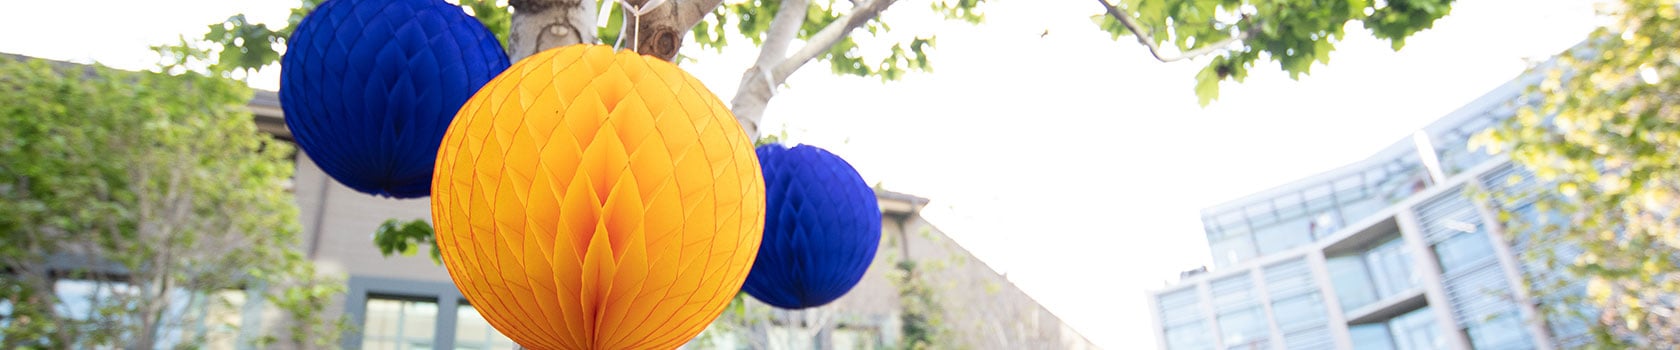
(821, 229)
(369, 86)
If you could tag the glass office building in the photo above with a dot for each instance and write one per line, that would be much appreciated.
(1389, 253)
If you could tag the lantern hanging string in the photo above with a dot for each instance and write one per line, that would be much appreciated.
(636, 13)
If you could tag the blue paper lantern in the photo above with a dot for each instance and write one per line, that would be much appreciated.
(821, 228)
(369, 86)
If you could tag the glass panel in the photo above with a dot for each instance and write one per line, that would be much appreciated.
(1192, 336)
(1391, 268)
(1318, 198)
(84, 300)
(81, 299)
(174, 322)
(1181, 306)
(1244, 328)
(1297, 312)
(1462, 250)
(1233, 250)
(1234, 291)
(223, 314)
(1284, 235)
(788, 338)
(1317, 338)
(1289, 278)
(1373, 336)
(1231, 223)
(854, 339)
(1357, 203)
(1352, 283)
(473, 332)
(1324, 224)
(419, 322)
(1502, 332)
(399, 324)
(1416, 331)
(5, 313)
(1289, 207)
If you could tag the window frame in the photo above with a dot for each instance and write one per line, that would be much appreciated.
(362, 288)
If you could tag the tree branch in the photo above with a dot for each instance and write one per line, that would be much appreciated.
(1155, 50)
(772, 68)
(756, 85)
(828, 36)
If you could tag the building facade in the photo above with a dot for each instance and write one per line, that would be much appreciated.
(410, 302)
(1392, 252)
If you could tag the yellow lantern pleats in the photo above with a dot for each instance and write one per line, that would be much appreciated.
(592, 199)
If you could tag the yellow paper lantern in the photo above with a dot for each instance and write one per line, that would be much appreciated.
(592, 199)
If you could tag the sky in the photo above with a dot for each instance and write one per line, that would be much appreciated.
(1074, 164)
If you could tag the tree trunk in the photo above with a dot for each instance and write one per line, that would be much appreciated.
(543, 24)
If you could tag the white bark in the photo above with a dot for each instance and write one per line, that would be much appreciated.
(758, 84)
(661, 31)
(544, 24)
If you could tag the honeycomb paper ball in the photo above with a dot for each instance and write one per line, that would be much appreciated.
(368, 87)
(592, 199)
(821, 228)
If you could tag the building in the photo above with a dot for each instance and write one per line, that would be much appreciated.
(409, 302)
(1391, 252)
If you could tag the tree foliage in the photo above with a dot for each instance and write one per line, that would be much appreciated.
(922, 319)
(1605, 137)
(153, 193)
(1239, 33)
(249, 46)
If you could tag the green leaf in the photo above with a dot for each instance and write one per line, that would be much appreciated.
(404, 238)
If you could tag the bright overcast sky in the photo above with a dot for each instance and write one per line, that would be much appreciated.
(1073, 163)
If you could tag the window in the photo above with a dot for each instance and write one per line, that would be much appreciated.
(1502, 332)
(784, 337)
(1300, 311)
(1191, 336)
(1463, 250)
(1355, 200)
(1282, 236)
(1416, 331)
(1324, 224)
(222, 314)
(1233, 292)
(1371, 336)
(1181, 306)
(473, 332)
(1383, 271)
(1317, 338)
(1352, 283)
(1233, 249)
(1391, 267)
(186, 315)
(80, 299)
(5, 313)
(1245, 328)
(852, 338)
(395, 324)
